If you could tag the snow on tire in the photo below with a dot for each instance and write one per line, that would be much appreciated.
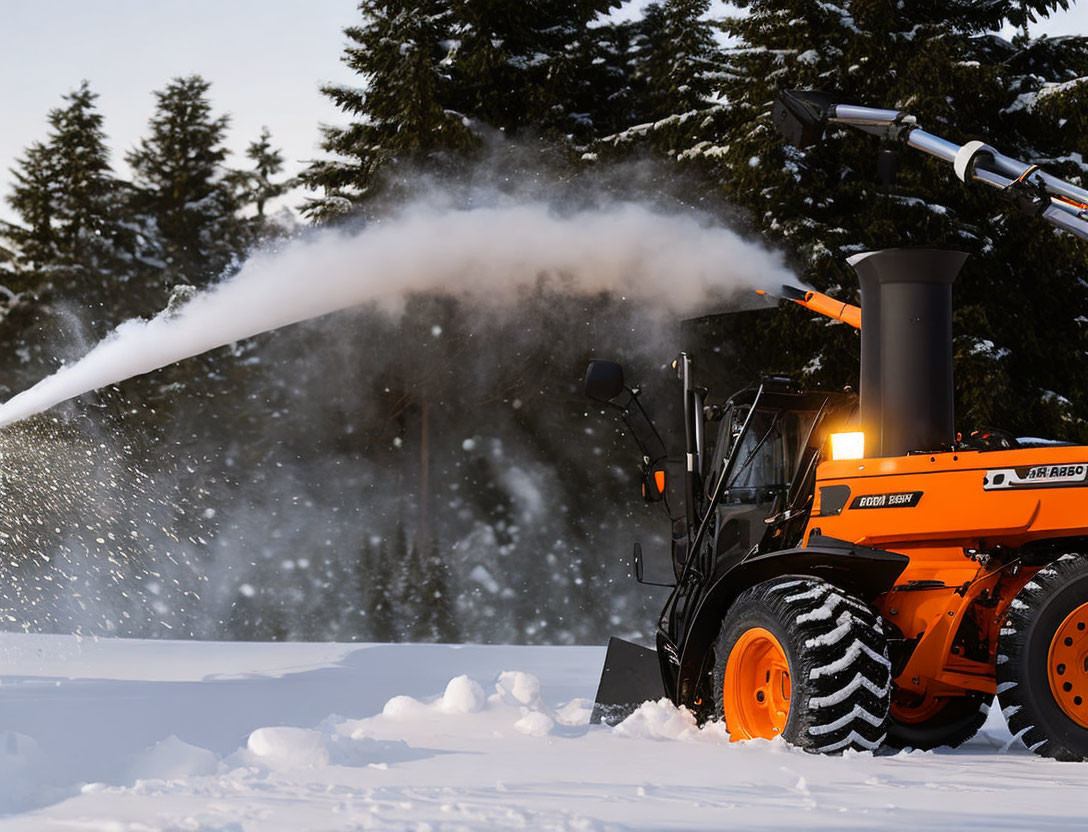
(1044, 696)
(839, 676)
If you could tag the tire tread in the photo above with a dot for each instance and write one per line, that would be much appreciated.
(839, 655)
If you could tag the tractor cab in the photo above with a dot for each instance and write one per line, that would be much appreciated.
(744, 482)
(763, 463)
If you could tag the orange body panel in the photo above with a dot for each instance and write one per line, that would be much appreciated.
(949, 512)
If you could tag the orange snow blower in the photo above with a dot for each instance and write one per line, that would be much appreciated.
(850, 573)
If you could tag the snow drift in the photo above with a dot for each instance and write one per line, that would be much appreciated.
(127, 734)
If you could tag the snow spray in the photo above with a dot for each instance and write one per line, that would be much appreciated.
(675, 262)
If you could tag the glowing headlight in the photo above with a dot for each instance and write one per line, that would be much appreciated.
(848, 445)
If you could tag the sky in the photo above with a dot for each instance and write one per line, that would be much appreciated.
(266, 60)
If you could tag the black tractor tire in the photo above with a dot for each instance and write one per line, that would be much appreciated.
(952, 726)
(839, 672)
(1039, 611)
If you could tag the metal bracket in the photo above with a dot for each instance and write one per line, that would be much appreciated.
(965, 158)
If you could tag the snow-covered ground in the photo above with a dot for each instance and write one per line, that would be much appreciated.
(132, 736)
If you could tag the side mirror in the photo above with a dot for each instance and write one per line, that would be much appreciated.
(640, 569)
(604, 380)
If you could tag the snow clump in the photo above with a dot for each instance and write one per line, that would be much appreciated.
(403, 707)
(535, 724)
(283, 747)
(463, 696)
(517, 688)
(662, 720)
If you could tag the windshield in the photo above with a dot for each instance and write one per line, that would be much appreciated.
(766, 453)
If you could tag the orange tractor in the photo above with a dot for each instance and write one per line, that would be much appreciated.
(851, 573)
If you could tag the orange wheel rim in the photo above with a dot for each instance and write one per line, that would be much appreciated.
(918, 710)
(756, 690)
(1067, 666)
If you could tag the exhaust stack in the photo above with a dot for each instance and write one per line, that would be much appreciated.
(906, 349)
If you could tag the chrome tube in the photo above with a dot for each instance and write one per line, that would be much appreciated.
(1061, 187)
(943, 149)
(1013, 168)
(869, 116)
(988, 177)
(1066, 221)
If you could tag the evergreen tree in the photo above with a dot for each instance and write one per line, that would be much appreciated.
(86, 184)
(442, 75)
(675, 58)
(526, 67)
(940, 63)
(612, 91)
(34, 198)
(68, 200)
(358, 579)
(438, 595)
(183, 184)
(267, 163)
(404, 114)
(413, 605)
(382, 612)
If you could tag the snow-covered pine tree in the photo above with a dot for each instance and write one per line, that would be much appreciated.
(184, 186)
(402, 117)
(527, 68)
(267, 164)
(68, 200)
(33, 197)
(611, 97)
(85, 217)
(943, 64)
(675, 66)
(7, 255)
(676, 58)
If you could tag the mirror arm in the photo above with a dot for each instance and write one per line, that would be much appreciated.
(631, 412)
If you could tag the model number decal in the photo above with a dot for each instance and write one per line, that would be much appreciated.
(1036, 476)
(905, 499)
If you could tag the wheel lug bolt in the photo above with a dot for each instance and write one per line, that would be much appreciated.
(1077, 700)
(760, 696)
(1061, 669)
(1067, 687)
(1068, 642)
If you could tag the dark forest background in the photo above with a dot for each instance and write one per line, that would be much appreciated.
(439, 476)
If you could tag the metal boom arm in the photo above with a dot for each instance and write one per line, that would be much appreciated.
(802, 117)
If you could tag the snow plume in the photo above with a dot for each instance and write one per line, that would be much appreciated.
(96, 540)
(488, 255)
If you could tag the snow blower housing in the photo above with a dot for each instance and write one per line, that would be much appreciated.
(849, 572)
